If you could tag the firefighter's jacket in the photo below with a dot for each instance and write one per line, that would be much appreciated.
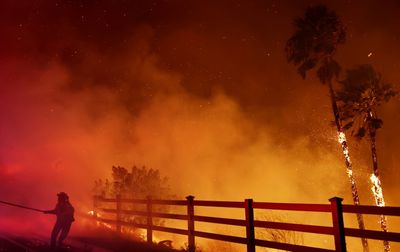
(64, 212)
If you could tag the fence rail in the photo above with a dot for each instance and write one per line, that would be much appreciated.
(335, 208)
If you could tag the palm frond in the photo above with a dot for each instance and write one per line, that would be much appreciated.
(317, 36)
(362, 91)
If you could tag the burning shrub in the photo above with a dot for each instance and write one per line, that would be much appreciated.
(138, 183)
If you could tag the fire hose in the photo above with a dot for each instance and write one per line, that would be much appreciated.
(21, 206)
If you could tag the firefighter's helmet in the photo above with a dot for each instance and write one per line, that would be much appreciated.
(63, 196)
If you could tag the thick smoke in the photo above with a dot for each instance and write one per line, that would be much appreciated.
(55, 139)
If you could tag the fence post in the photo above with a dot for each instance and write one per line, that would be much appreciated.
(118, 209)
(338, 224)
(149, 220)
(190, 213)
(251, 244)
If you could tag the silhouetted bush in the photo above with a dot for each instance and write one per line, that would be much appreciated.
(138, 183)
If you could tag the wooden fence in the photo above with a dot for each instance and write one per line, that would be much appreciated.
(335, 208)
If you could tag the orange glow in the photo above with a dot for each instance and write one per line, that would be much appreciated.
(200, 90)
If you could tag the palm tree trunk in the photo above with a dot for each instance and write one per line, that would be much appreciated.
(376, 183)
(349, 167)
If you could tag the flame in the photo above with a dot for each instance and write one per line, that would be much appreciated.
(341, 137)
(380, 202)
(143, 236)
(142, 233)
(342, 140)
(349, 169)
(377, 190)
(99, 223)
(376, 187)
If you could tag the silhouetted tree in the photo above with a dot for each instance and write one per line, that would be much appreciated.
(363, 91)
(312, 46)
(139, 183)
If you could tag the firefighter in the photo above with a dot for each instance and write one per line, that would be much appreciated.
(65, 216)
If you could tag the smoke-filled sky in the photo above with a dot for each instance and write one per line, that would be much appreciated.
(200, 90)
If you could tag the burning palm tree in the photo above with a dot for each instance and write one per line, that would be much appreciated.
(313, 46)
(363, 90)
